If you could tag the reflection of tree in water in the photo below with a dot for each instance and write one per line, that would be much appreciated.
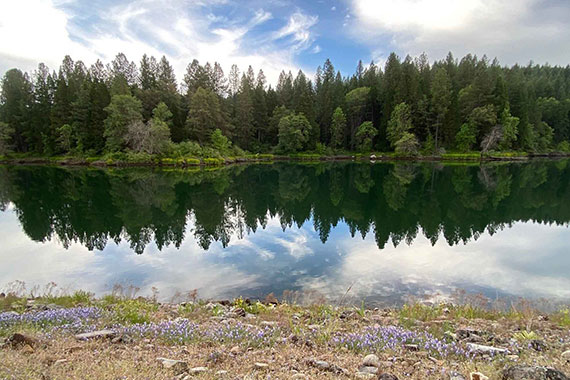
(396, 185)
(396, 202)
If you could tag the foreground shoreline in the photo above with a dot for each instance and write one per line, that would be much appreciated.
(79, 337)
(270, 158)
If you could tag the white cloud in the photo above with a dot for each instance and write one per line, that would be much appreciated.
(182, 31)
(513, 31)
(298, 28)
(35, 30)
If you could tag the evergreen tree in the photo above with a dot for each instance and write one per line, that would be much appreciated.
(338, 129)
(204, 115)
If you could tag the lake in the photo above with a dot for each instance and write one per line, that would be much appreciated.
(379, 232)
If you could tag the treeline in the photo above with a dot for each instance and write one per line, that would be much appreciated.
(410, 106)
(394, 203)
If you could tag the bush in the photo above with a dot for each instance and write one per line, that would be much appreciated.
(563, 147)
(185, 148)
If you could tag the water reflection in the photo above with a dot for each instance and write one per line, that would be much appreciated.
(270, 223)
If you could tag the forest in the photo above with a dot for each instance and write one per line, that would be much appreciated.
(409, 107)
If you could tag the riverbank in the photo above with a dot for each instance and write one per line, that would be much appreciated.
(44, 338)
(121, 160)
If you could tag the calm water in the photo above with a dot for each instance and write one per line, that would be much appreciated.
(387, 230)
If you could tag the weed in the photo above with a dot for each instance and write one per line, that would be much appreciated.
(525, 335)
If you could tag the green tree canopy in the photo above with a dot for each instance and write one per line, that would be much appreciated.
(204, 115)
(294, 131)
(123, 111)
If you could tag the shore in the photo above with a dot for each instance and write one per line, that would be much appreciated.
(152, 161)
(79, 337)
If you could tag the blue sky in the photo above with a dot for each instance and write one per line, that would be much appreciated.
(281, 34)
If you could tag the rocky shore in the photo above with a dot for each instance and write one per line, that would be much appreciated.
(119, 338)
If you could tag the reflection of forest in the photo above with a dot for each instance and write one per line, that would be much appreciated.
(391, 201)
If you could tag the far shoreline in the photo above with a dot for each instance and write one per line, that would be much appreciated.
(189, 162)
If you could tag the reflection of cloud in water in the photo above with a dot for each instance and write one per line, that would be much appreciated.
(505, 266)
(527, 259)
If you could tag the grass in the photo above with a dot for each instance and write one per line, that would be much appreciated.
(284, 335)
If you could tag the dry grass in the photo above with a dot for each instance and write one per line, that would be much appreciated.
(301, 333)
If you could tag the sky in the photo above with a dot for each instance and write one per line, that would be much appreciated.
(280, 35)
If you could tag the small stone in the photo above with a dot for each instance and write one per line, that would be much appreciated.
(371, 361)
(364, 375)
(259, 365)
(221, 372)
(481, 349)
(412, 347)
(368, 369)
(387, 376)
(478, 376)
(178, 366)
(96, 334)
(197, 370)
(456, 376)
(321, 364)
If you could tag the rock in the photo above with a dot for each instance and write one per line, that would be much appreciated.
(478, 376)
(197, 370)
(259, 365)
(320, 364)
(122, 339)
(364, 375)
(238, 311)
(178, 366)
(566, 355)
(96, 334)
(522, 372)
(325, 366)
(368, 369)
(371, 361)
(456, 376)
(387, 376)
(412, 347)
(481, 349)
(19, 339)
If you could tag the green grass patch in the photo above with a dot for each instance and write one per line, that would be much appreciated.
(462, 156)
(213, 161)
(562, 317)
(129, 311)
(79, 297)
